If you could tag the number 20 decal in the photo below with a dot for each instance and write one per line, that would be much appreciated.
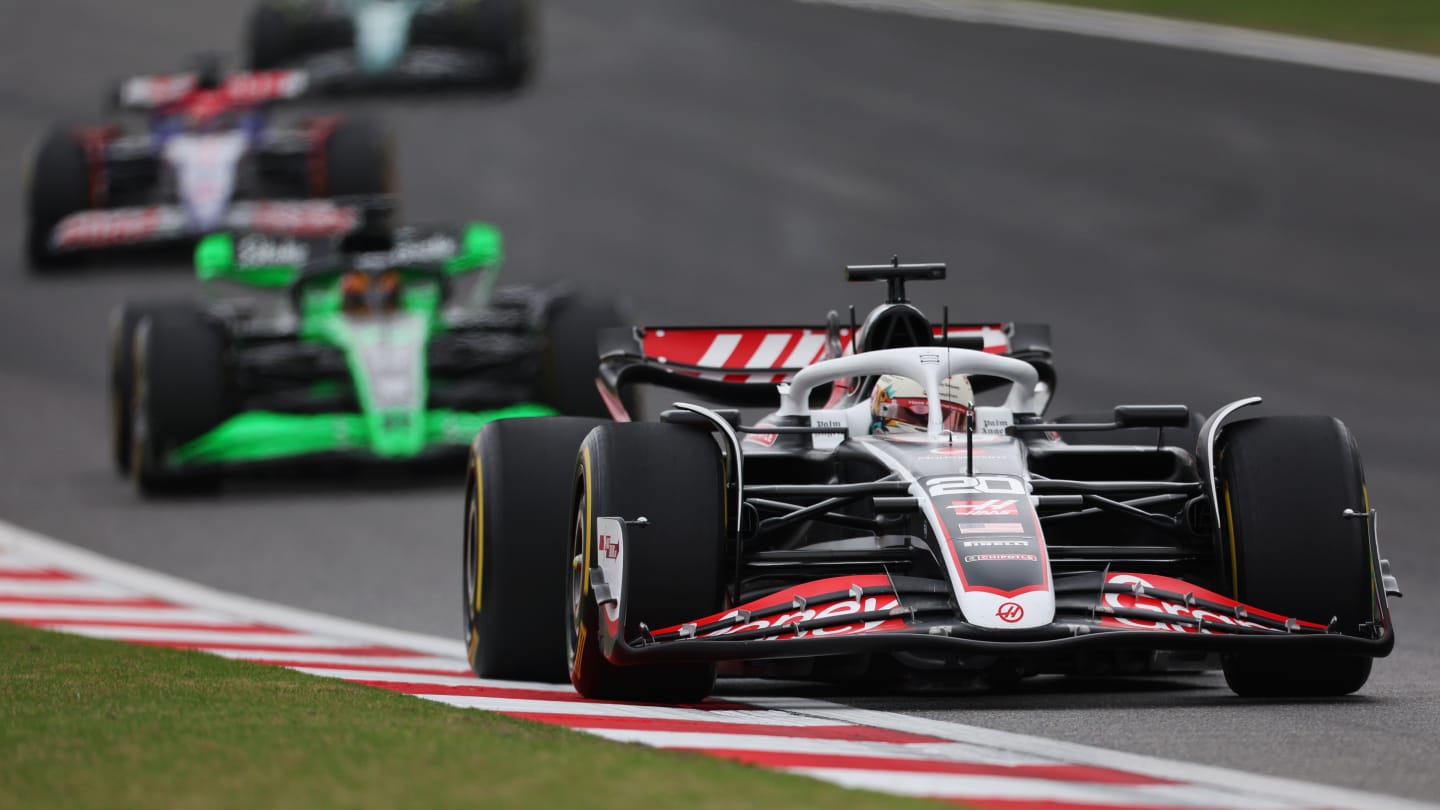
(988, 484)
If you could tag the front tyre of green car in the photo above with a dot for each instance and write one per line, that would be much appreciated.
(179, 391)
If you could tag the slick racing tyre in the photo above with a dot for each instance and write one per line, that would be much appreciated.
(517, 524)
(509, 30)
(1284, 483)
(358, 160)
(671, 476)
(123, 322)
(180, 392)
(59, 187)
(571, 359)
(268, 37)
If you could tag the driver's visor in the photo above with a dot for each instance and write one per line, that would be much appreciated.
(916, 411)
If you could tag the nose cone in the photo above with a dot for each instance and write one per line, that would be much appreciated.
(382, 30)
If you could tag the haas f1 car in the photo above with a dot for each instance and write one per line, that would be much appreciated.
(391, 348)
(983, 539)
(359, 44)
(209, 158)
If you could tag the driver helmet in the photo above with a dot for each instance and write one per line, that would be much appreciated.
(898, 404)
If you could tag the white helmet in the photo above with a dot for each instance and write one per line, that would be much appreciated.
(898, 404)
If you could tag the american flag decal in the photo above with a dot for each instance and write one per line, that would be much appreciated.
(990, 508)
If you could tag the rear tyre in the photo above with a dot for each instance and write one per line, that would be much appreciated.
(670, 475)
(1284, 482)
(268, 38)
(59, 187)
(180, 392)
(123, 321)
(517, 523)
(571, 361)
(358, 160)
(509, 29)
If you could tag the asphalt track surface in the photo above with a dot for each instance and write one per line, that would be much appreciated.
(1195, 228)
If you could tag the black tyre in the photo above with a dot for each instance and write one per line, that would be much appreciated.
(1185, 437)
(358, 160)
(670, 475)
(1284, 483)
(269, 40)
(59, 187)
(180, 392)
(517, 534)
(510, 30)
(571, 361)
(123, 321)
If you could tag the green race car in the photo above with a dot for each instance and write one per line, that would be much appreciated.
(391, 347)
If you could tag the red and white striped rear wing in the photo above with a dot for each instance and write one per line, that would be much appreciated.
(741, 365)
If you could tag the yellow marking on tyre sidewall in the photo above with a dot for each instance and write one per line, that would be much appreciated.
(1234, 555)
(589, 525)
(479, 534)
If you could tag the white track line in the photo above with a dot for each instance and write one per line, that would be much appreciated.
(35, 545)
(25, 612)
(638, 712)
(1194, 36)
(383, 678)
(347, 660)
(980, 788)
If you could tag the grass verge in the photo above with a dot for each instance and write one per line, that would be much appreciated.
(1404, 24)
(86, 723)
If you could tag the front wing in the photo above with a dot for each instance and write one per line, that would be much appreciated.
(102, 229)
(880, 613)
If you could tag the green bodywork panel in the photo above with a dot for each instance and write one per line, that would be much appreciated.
(259, 435)
(386, 353)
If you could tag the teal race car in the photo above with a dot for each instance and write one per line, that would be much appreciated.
(391, 347)
(370, 44)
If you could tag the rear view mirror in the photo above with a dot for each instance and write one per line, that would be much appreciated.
(481, 245)
(1152, 416)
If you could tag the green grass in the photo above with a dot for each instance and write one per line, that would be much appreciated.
(1405, 24)
(87, 723)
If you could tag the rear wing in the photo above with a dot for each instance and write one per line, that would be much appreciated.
(741, 366)
(242, 89)
(268, 260)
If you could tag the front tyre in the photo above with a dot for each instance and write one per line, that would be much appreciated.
(517, 520)
(358, 160)
(180, 391)
(123, 322)
(672, 476)
(1284, 483)
(59, 187)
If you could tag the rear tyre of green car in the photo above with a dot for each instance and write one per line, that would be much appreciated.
(571, 359)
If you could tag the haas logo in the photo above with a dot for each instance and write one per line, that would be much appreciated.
(609, 546)
(1010, 612)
